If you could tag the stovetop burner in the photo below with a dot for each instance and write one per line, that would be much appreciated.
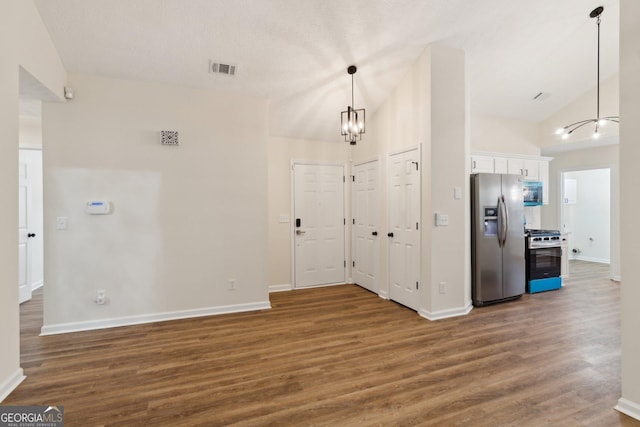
(534, 232)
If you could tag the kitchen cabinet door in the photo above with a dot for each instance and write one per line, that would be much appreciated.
(500, 165)
(482, 164)
(531, 170)
(515, 166)
(526, 168)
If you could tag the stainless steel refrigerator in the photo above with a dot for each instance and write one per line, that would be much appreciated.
(497, 238)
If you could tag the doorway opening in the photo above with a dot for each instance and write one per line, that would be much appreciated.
(585, 212)
(32, 93)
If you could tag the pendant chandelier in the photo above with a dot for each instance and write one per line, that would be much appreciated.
(597, 121)
(352, 120)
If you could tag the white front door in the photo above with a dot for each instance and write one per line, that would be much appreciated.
(404, 225)
(366, 226)
(319, 224)
(24, 195)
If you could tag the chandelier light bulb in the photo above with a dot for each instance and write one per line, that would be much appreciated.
(596, 134)
(559, 131)
(602, 122)
(565, 136)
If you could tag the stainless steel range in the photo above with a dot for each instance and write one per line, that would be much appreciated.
(543, 256)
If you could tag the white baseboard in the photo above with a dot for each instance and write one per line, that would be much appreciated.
(280, 288)
(628, 407)
(591, 259)
(11, 383)
(444, 314)
(37, 285)
(383, 294)
(323, 285)
(62, 328)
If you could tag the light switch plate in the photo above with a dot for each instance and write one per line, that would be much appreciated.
(283, 218)
(457, 193)
(442, 220)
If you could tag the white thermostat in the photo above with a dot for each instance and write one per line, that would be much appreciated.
(97, 207)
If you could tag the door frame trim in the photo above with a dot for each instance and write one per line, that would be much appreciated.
(347, 227)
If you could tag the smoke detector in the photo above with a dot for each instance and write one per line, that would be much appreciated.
(216, 67)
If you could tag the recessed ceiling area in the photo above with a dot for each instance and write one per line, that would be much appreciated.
(296, 53)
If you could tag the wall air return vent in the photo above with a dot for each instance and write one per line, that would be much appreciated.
(220, 68)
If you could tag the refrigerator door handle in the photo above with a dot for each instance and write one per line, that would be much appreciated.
(500, 222)
(505, 221)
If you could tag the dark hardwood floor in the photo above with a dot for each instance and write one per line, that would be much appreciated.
(341, 356)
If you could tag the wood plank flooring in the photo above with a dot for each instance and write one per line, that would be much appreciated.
(341, 356)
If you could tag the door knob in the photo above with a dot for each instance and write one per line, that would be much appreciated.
(31, 235)
(374, 233)
(389, 234)
(300, 232)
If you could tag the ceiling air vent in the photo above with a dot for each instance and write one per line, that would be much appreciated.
(219, 68)
(541, 96)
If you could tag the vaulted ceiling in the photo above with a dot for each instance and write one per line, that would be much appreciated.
(296, 52)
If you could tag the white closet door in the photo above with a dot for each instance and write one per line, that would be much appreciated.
(404, 228)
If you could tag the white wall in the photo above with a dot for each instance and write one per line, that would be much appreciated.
(630, 203)
(449, 140)
(502, 135)
(430, 107)
(19, 21)
(185, 218)
(581, 109)
(280, 152)
(588, 220)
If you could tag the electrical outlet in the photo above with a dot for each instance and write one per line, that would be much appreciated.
(101, 296)
(443, 287)
(232, 284)
(61, 223)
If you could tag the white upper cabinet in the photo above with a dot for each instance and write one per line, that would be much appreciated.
(515, 166)
(482, 164)
(501, 165)
(530, 168)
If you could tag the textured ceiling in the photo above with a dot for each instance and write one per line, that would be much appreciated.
(295, 52)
